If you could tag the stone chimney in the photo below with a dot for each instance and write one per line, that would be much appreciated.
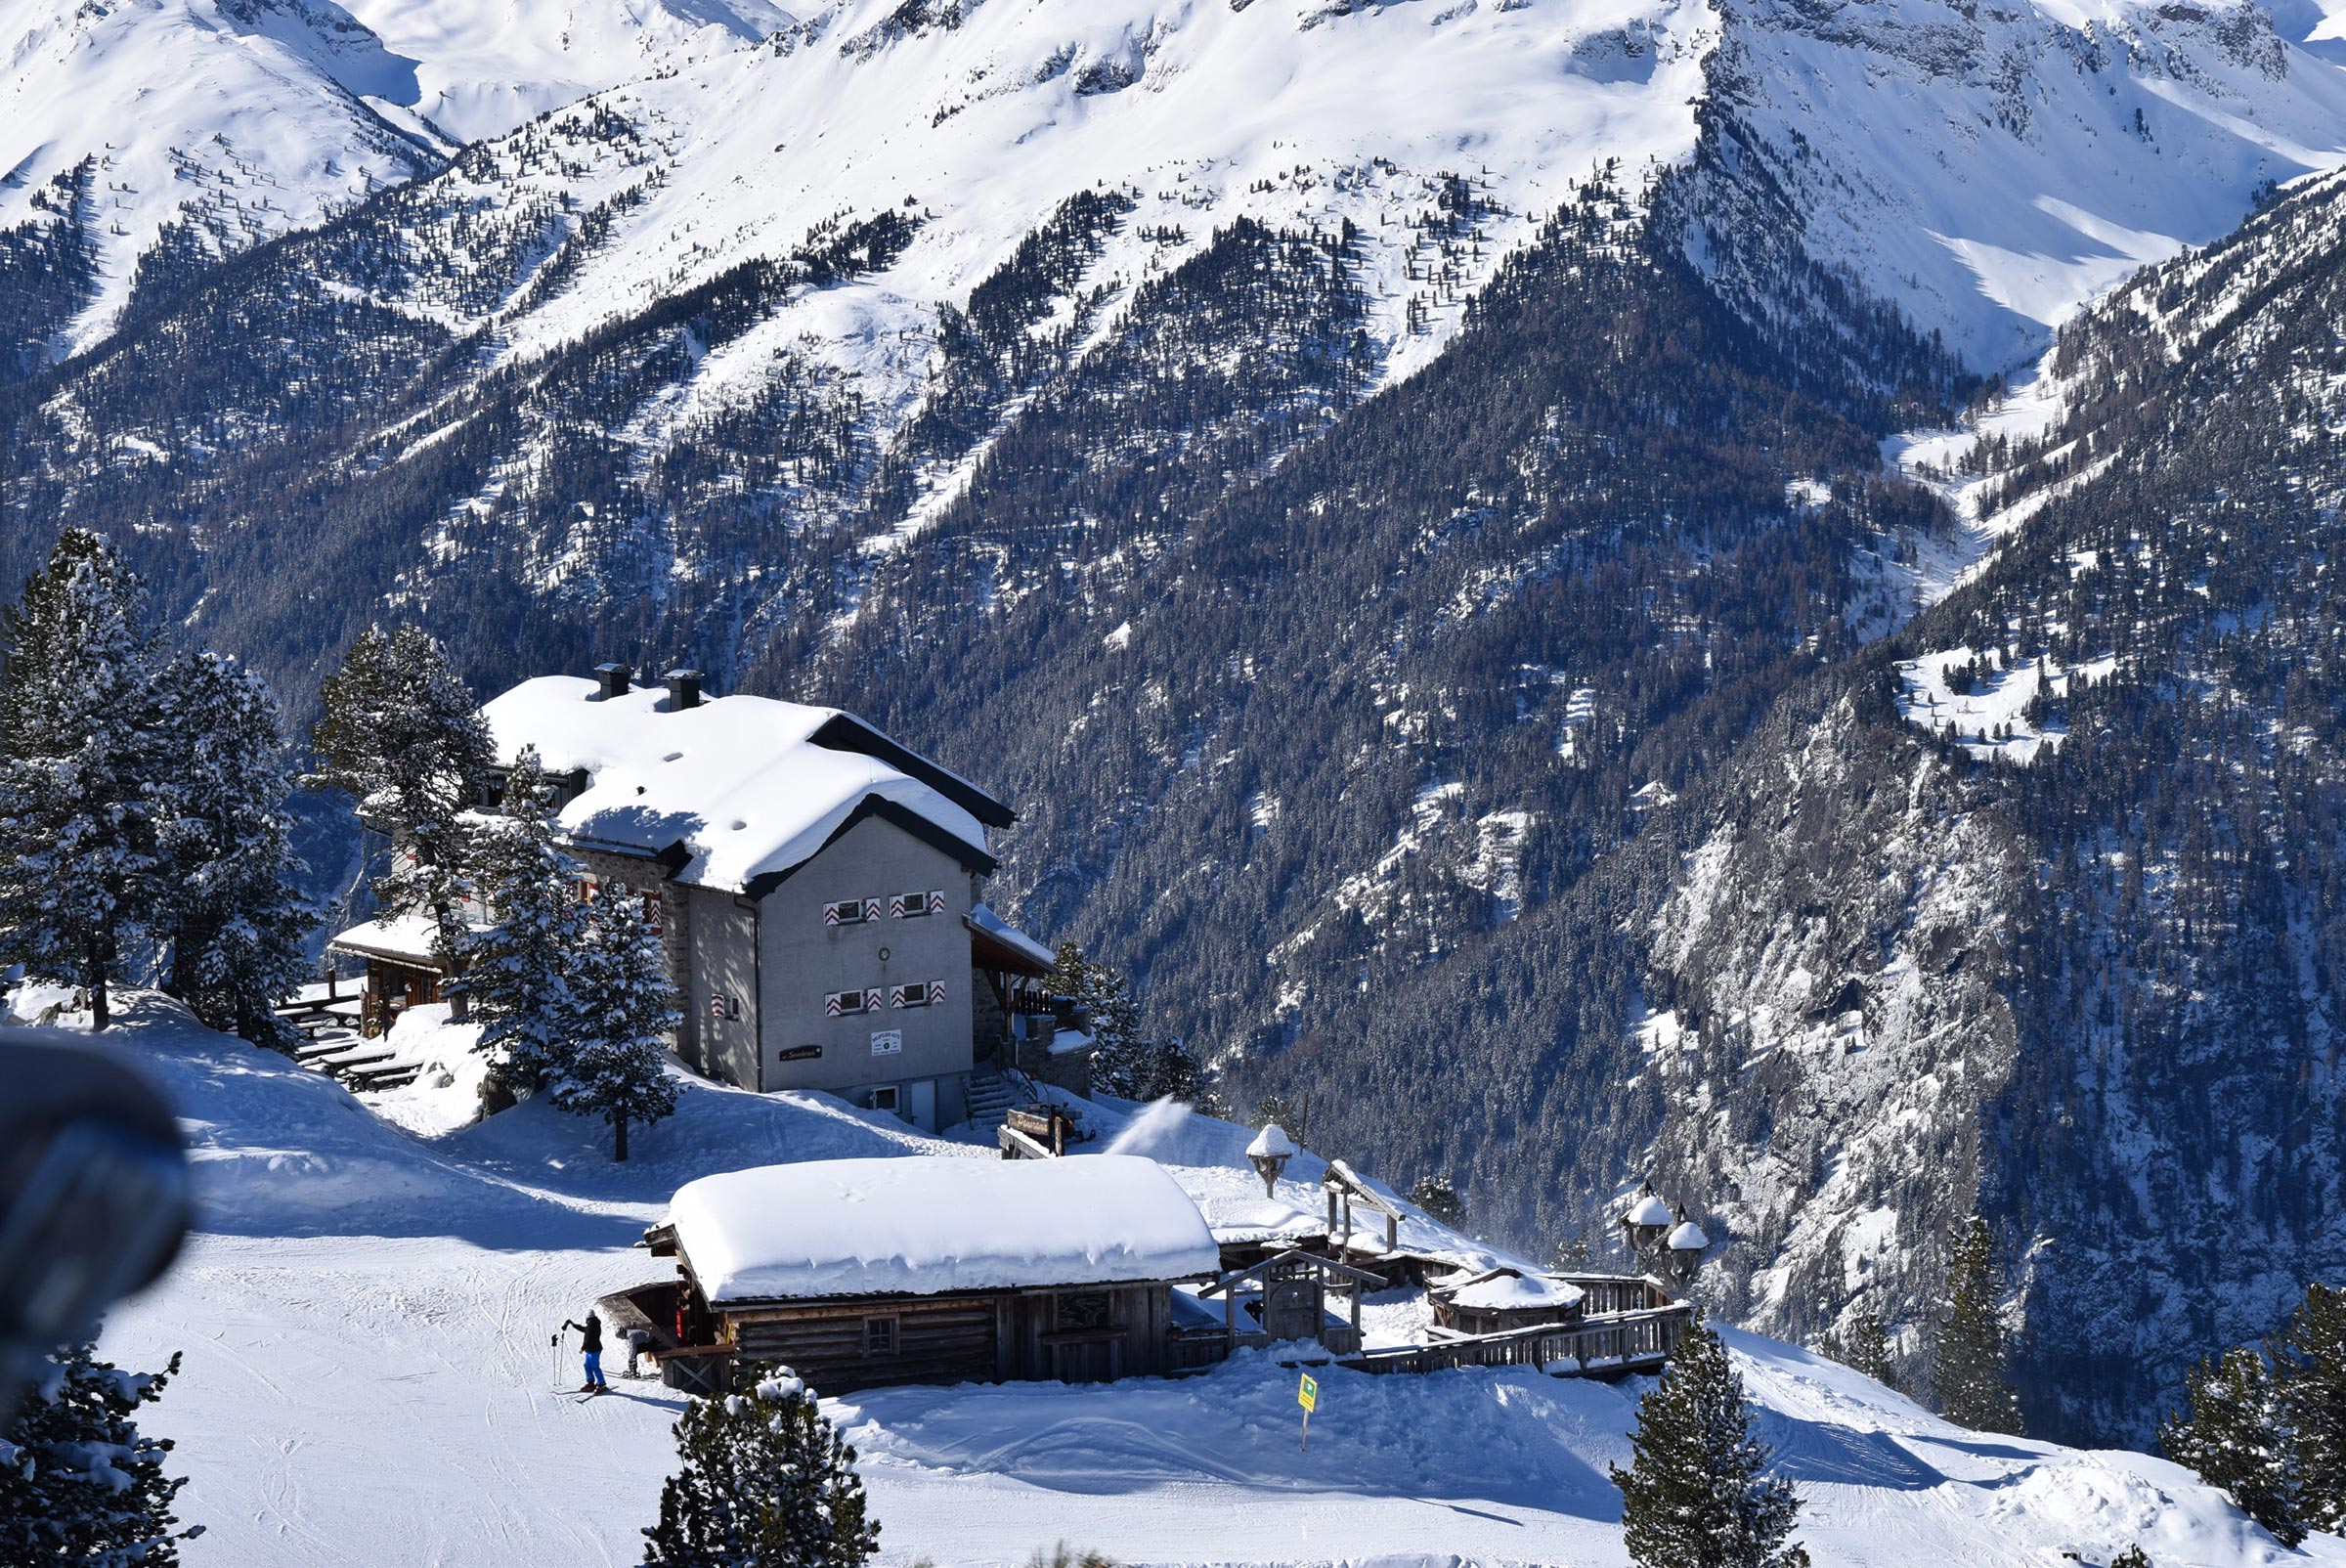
(613, 678)
(684, 690)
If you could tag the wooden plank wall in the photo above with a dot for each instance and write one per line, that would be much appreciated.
(976, 1336)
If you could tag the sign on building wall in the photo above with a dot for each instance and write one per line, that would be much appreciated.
(799, 1053)
(888, 1042)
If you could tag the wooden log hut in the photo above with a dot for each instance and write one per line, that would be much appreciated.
(864, 1273)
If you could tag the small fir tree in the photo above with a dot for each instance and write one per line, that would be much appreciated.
(2312, 1401)
(400, 735)
(1126, 1060)
(1971, 1355)
(1293, 1115)
(2133, 1556)
(2232, 1438)
(622, 1007)
(1435, 1194)
(1862, 1345)
(231, 912)
(1696, 1494)
(517, 969)
(78, 864)
(78, 1482)
(762, 1481)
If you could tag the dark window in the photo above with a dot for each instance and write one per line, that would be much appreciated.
(1083, 1309)
(879, 1336)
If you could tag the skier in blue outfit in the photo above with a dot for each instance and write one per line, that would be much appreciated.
(590, 1346)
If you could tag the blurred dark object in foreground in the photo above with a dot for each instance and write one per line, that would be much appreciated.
(93, 1195)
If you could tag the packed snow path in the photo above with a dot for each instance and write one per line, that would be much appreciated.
(369, 1381)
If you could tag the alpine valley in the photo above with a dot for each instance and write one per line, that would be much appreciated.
(1734, 591)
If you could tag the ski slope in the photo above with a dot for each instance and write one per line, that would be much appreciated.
(369, 1381)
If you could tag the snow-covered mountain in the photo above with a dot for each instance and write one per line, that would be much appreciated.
(184, 130)
(1376, 481)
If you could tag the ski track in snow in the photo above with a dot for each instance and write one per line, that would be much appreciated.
(368, 1380)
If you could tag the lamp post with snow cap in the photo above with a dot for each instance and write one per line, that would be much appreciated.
(1269, 1154)
(1643, 1223)
(1686, 1246)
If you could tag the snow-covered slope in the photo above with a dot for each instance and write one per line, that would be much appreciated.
(240, 120)
(1990, 169)
(367, 1320)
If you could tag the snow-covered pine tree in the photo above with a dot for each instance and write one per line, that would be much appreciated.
(621, 1007)
(1972, 1352)
(764, 1481)
(517, 970)
(78, 1482)
(1119, 1050)
(2133, 1556)
(1438, 1197)
(2313, 1398)
(77, 717)
(1862, 1345)
(1696, 1494)
(2232, 1438)
(401, 735)
(229, 910)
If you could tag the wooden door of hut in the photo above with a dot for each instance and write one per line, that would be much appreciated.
(1294, 1299)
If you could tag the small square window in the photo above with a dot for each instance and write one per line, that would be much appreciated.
(879, 1336)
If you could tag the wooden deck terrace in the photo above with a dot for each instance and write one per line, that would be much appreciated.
(1614, 1345)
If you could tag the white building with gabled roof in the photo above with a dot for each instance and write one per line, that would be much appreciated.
(817, 884)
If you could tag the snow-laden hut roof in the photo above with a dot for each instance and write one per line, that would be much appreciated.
(1271, 1143)
(402, 939)
(1516, 1293)
(1012, 943)
(735, 792)
(1688, 1238)
(930, 1223)
(1650, 1210)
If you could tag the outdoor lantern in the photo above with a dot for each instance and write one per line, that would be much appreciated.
(1688, 1243)
(1269, 1154)
(1645, 1222)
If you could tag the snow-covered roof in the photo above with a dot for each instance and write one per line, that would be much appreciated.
(1518, 1292)
(1688, 1238)
(1650, 1210)
(929, 1223)
(1009, 935)
(1272, 1143)
(741, 788)
(403, 939)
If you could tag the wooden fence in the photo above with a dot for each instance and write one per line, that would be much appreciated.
(1596, 1347)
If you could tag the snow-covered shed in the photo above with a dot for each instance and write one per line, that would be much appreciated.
(816, 883)
(401, 968)
(935, 1269)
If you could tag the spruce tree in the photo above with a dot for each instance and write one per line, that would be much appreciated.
(2233, 1439)
(1969, 1358)
(78, 1482)
(1696, 1494)
(1863, 1346)
(400, 734)
(77, 753)
(1437, 1196)
(517, 969)
(2133, 1556)
(764, 1481)
(621, 1009)
(230, 912)
(2312, 1401)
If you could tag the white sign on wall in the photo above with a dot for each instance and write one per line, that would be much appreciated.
(888, 1042)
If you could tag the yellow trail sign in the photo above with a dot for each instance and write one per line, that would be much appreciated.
(1307, 1394)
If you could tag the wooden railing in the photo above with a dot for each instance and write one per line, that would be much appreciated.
(1627, 1341)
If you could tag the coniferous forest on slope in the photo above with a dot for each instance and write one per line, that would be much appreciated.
(1369, 732)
